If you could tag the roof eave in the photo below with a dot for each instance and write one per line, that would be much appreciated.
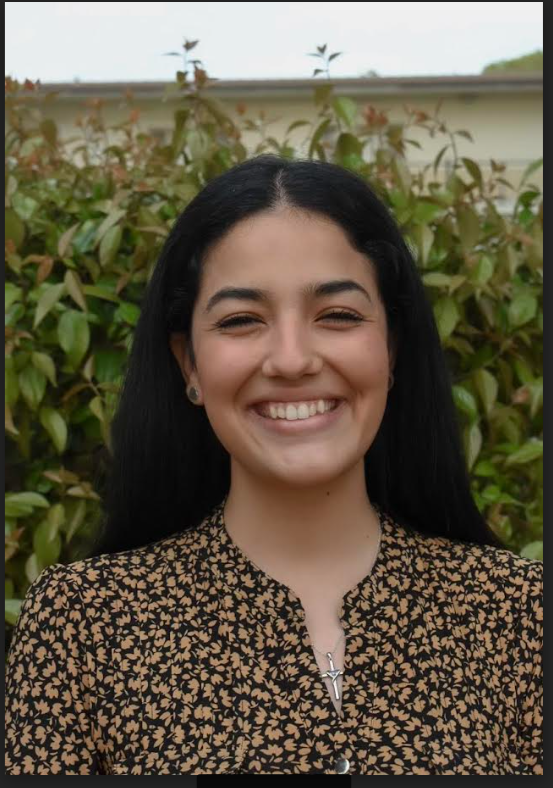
(530, 82)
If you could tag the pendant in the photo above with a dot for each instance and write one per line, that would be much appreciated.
(333, 674)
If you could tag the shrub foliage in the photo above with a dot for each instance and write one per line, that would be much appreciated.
(85, 221)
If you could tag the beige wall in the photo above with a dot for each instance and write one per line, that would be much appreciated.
(507, 127)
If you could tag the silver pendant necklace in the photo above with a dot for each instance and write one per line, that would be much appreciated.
(332, 673)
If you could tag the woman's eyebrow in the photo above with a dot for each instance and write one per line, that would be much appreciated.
(311, 290)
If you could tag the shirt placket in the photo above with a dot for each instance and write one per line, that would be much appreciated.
(327, 750)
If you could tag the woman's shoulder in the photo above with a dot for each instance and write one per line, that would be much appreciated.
(467, 566)
(132, 573)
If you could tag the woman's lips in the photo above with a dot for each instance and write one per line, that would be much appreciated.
(297, 426)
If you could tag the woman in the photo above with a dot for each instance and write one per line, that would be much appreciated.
(294, 577)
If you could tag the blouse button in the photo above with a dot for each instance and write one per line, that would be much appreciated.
(342, 766)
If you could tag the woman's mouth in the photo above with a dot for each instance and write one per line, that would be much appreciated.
(297, 421)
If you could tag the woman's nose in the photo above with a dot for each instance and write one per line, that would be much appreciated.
(291, 353)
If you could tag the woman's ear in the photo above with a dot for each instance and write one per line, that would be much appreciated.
(179, 347)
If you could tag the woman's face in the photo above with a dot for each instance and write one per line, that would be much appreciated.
(293, 350)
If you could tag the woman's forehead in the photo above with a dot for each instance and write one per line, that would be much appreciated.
(264, 251)
(282, 228)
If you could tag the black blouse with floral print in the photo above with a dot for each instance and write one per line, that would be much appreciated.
(183, 657)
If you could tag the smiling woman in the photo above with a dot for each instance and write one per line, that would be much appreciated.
(293, 576)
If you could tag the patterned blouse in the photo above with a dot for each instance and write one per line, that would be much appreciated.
(183, 657)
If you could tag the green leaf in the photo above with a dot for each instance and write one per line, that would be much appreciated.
(47, 300)
(56, 516)
(108, 223)
(12, 608)
(533, 550)
(14, 229)
(32, 384)
(522, 309)
(456, 186)
(47, 543)
(24, 205)
(523, 370)
(472, 438)
(15, 509)
(11, 294)
(423, 236)
(485, 468)
(466, 134)
(45, 364)
(474, 170)
(536, 395)
(296, 125)
(65, 240)
(483, 270)
(11, 384)
(128, 312)
(438, 159)
(109, 365)
(531, 451)
(33, 567)
(445, 197)
(198, 142)
(469, 227)
(487, 387)
(319, 131)
(447, 316)
(510, 259)
(101, 292)
(74, 336)
(83, 240)
(22, 504)
(14, 314)
(349, 145)
(109, 245)
(426, 212)
(346, 109)
(436, 279)
(74, 287)
(76, 518)
(28, 499)
(491, 493)
(465, 402)
(399, 199)
(97, 408)
(54, 424)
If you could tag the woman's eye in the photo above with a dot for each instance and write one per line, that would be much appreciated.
(344, 316)
(240, 320)
(243, 320)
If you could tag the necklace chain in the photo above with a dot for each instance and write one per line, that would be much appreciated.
(332, 652)
(334, 673)
(377, 552)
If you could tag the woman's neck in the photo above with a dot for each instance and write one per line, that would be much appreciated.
(305, 537)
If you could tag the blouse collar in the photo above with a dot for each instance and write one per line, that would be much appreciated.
(234, 571)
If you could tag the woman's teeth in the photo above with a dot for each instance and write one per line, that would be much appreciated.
(304, 410)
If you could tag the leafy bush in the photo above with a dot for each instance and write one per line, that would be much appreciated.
(85, 221)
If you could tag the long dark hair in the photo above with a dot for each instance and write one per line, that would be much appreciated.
(168, 469)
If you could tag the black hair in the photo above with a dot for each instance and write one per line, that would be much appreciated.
(168, 469)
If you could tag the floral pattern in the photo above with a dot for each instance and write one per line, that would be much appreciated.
(183, 657)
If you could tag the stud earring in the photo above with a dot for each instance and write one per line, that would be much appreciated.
(193, 394)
